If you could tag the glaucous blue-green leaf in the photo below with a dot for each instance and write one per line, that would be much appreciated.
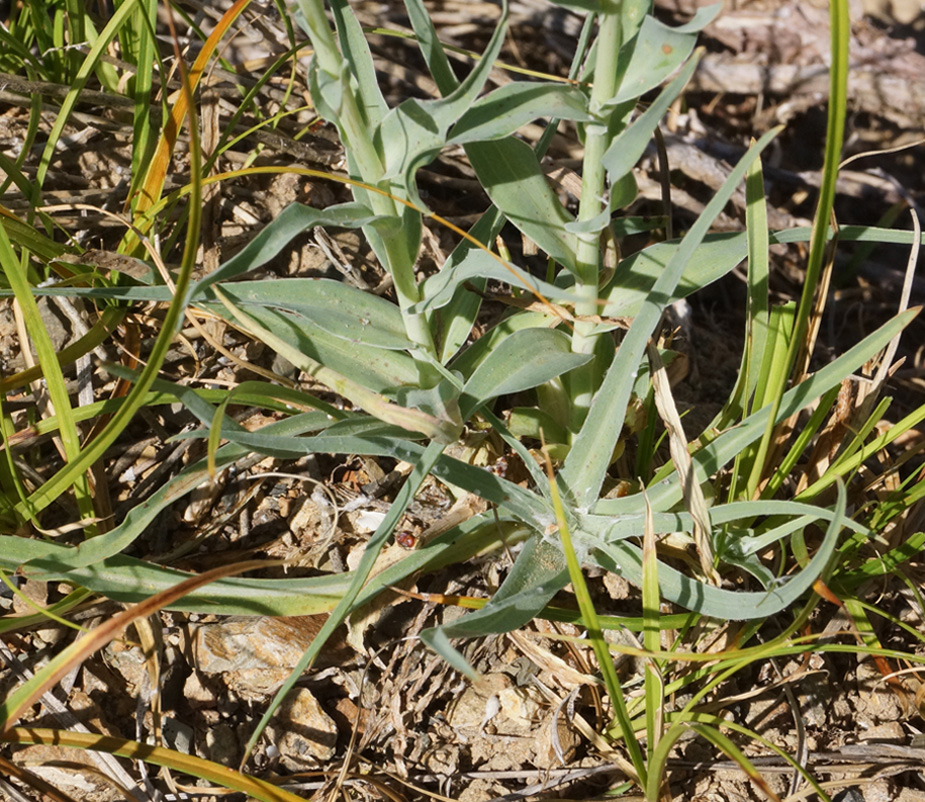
(536, 423)
(515, 182)
(438, 289)
(625, 188)
(350, 378)
(413, 133)
(702, 17)
(736, 515)
(129, 579)
(592, 452)
(726, 446)
(625, 558)
(442, 401)
(637, 274)
(327, 91)
(410, 138)
(657, 51)
(523, 360)
(537, 575)
(431, 47)
(454, 320)
(473, 355)
(355, 49)
(346, 312)
(276, 235)
(376, 369)
(627, 148)
(516, 104)
(267, 250)
(741, 548)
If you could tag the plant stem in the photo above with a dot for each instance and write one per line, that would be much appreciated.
(357, 139)
(350, 121)
(592, 203)
(401, 267)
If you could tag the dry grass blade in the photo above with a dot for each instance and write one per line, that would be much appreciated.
(807, 347)
(154, 180)
(718, 739)
(24, 697)
(886, 364)
(28, 778)
(107, 763)
(693, 494)
(159, 756)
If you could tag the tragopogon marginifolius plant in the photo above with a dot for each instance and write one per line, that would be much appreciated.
(408, 363)
(416, 376)
(403, 362)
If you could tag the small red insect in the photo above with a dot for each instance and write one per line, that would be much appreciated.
(406, 540)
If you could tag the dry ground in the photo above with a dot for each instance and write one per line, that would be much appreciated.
(382, 702)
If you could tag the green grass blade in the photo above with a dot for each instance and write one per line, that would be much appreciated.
(835, 133)
(802, 441)
(718, 721)
(840, 33)
(140, 44)
(53, 612)
(735, 754)
(658, 762)
(723, 449)
(756, 329)
(94, 450)
(11, 485)
(596, 635)
(48, 361)
(772, 378)
(87, 68)
(853, 461)
(652, 638)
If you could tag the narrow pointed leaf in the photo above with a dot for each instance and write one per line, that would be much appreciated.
(292, 221)
(512, 106)
(538, 574)
(591, 454)
(625, 559)
(726, 446)
(525, 359)
(346, 312)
